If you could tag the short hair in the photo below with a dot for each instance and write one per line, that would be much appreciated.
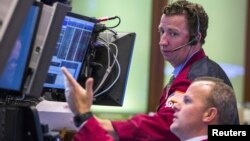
(222, 97)
(197, 18)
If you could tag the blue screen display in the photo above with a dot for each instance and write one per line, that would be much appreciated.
(13, 73)
(70, 51)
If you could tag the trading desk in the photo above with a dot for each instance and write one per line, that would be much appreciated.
(57, 116)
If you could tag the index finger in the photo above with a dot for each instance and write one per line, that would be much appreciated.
(69, 76)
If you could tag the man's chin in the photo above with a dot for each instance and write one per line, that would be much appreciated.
(174, 127)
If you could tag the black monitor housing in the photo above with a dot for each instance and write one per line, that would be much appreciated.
(109, 63)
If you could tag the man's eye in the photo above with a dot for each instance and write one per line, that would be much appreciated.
(172, 34)
(187, 100)
(161, 32)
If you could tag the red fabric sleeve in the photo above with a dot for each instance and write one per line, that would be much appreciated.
(92, 131)
(144, 127)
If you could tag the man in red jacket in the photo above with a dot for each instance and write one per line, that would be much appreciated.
(183, 29)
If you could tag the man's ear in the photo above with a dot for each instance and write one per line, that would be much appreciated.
(210, 115)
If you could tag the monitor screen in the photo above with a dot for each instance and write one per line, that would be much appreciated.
(70, 51)
(12, 13)
(13, 75)
(110, 67)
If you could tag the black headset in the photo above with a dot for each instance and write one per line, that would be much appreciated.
(193, 40)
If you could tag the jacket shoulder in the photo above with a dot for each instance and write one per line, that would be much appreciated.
(207, 67)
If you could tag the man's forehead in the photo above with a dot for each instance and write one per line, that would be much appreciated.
(173, 22)
(203, 83)
(200, 87)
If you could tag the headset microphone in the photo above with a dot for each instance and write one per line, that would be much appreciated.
(191, 42)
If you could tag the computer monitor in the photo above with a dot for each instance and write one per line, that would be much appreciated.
(70, 52)
(110, 67)
(15, 70)
(52, 18)
(12, 13)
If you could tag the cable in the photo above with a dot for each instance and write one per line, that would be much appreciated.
(119, 21)
(109, 68)
(110, 18)
(118, 75)
(107, 44)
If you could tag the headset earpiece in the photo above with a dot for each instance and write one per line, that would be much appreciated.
(193, 41)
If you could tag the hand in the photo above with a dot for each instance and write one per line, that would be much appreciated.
(78, 98)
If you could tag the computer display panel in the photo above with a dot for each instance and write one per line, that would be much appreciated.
(110, 67)
(70, 52)
(44, 46)
(14, 72)
(12, 13)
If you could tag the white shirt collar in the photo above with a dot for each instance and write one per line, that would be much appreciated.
(198, 138)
